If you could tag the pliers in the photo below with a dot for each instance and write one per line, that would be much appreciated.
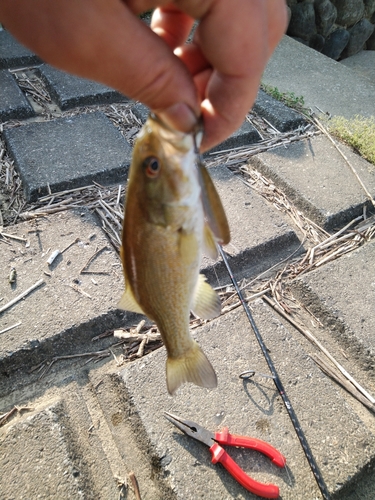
(212, 440)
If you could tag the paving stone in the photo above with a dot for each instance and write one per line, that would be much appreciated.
(70, 91)
(68, 152)
(341, 443)
(13, 54)
(257, 241)
(279, 115)
(56, 318)
(245, 135)
(317, 179)
(342, 295)
(13, 103)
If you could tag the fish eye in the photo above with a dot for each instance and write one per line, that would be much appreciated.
(152, 166)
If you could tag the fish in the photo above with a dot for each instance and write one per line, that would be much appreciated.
(173, 214)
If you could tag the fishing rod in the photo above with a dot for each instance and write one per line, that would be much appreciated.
(293, 417)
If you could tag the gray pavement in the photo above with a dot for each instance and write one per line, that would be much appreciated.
(85, 408)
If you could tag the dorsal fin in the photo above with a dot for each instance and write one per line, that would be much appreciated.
(213, 208)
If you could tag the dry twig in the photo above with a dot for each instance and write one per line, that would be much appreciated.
(11, 327)
(5, 416)
(46, 365)
(22, 295)
(135, 486)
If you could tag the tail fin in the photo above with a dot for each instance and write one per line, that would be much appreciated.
(193, 367)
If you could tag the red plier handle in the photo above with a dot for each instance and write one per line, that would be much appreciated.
(221, 456)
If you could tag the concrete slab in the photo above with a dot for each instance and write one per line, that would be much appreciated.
(69, 91)
(321, 81)
(13, 103)
(13, 54)
(38, 443)
(340, 442)
(260, 236)
(318, 180)
(363, 63)
(69, 308)
(68, 152)
(342, 296)
(279, 115)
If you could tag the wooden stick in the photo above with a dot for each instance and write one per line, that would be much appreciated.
(22, 295)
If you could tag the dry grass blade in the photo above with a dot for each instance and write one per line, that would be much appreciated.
(10, 327)
(243, 153)
(46, 365)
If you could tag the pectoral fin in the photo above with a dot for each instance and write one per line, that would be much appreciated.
(128, 302)
(206, 302)
(213, 208)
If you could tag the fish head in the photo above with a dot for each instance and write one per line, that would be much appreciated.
(163, 167)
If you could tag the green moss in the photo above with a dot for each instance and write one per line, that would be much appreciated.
(359, 133)
(288, 98)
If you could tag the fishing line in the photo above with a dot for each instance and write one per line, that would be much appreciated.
(293, 417)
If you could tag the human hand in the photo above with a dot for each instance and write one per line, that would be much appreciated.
(217, 75)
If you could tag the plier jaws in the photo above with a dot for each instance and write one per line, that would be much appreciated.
(214, 440)
(192, 429)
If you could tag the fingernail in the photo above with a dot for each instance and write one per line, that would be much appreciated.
(179, 116)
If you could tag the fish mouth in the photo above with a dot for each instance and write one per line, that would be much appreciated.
(183, 141)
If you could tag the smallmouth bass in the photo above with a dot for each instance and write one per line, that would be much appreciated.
(173, 214)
